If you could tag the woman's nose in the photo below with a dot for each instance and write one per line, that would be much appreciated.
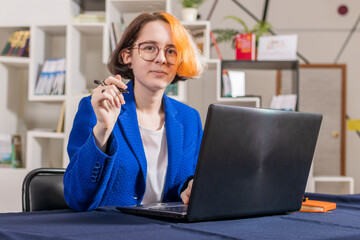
(161, 58)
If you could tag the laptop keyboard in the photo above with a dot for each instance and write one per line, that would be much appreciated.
(179, 209)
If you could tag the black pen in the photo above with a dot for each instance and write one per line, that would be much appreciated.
(98, 82)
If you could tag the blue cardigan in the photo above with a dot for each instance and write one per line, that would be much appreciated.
(118, 177)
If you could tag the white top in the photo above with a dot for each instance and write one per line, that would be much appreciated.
(155, 147)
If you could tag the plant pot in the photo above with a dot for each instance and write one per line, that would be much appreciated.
(189, 14)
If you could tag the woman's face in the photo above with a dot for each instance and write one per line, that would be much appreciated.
(154, 75)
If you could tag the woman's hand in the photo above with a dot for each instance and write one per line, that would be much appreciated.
(185, 195)
(106, 102)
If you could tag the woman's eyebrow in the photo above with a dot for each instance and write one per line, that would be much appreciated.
(155, 42)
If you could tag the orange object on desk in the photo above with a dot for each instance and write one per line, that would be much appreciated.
(317, 206)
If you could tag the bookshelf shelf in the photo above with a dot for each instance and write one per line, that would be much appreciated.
(136, 6)
(254, 99)
(90, 28)
(6, 171)
(48, 98)
(21, 62)
(46, 134)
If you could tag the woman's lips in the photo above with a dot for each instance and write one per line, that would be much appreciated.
(158, 73)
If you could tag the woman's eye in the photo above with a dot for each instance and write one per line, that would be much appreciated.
(149, 48)
(171, 51)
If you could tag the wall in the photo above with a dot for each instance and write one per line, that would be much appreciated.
(321, 31)
(321, 34)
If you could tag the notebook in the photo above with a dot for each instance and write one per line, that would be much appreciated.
(252, 162)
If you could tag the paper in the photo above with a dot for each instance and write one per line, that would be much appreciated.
(353, 124)
(237, 82)
(284, 102)
(281, 47)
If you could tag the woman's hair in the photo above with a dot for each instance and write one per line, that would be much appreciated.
(190, 62)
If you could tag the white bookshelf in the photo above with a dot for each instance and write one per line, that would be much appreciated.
(86, 48)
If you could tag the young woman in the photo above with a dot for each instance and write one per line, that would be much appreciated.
(141, 146)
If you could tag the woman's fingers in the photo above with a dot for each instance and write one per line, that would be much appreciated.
(113, 95)
(185, 195)
(116, 80)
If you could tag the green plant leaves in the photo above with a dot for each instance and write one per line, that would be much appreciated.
(191, 3)
(227, 35)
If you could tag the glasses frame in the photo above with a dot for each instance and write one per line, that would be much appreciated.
(158, 51)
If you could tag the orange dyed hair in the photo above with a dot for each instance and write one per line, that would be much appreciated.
(187, 64)
(190, 63)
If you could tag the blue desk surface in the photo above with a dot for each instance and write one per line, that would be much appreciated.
(108, 223)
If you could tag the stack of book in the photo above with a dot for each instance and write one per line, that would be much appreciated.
(94, 17)
(116, 31)
(17, 44)
(52, 78)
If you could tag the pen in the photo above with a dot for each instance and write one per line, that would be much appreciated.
(98, 82)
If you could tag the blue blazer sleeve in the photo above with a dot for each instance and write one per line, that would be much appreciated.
(84, 182)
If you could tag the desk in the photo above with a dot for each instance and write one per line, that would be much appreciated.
(107, 223)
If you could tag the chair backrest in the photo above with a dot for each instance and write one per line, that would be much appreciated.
(43, 189)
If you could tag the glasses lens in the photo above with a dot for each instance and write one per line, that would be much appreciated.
(148, 51)
(171, 55)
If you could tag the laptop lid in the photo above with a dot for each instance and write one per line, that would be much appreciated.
(252, 161)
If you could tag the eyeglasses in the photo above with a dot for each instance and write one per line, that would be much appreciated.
(149, 51)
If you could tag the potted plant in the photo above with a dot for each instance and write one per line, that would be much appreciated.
(190, 11)
(227, 35)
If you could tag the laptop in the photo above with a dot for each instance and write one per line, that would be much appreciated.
(252, 162)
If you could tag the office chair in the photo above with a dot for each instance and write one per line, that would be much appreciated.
(43, 189)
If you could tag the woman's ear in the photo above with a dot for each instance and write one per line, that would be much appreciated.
(126, 56)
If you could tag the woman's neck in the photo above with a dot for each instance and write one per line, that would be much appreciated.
(149, 108)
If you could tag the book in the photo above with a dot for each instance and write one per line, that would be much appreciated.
(90, 18)
(51, 80)
(60, 126)
(5, 150)
(245, 46)
(226, 85)
(23, 50)
(8, 44)
(172, 90)
(317, 206)
(16, 158)
(18, 43)
(112, 38)
(14, 43)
